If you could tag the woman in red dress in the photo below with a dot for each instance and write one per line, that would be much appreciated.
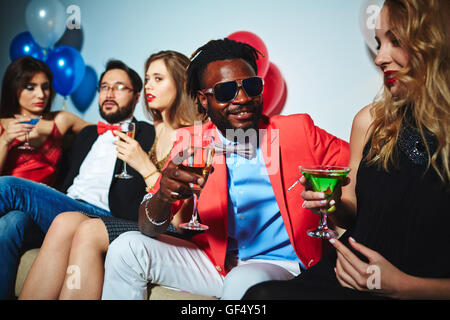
(27, 94)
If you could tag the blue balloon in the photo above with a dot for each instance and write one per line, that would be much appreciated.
(24, 45)
(83, 96)
(67, 66)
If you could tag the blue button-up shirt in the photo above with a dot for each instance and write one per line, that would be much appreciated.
(255, 226)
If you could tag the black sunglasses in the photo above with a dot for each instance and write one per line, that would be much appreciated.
(227, 91)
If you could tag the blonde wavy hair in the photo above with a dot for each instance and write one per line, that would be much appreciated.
(184, 111)
(422, 29)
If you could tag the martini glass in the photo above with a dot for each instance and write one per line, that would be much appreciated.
(326, 179)
(200, 162)
(26, 145)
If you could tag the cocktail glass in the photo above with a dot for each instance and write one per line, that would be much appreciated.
(26, 145)
(199, 161)
(326, 179)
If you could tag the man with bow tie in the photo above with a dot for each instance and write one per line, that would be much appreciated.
(257, 231)
(92, 162)
(89, 184)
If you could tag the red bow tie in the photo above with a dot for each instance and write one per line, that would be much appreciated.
(103, 127)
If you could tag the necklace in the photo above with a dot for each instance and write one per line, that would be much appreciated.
(152, 154)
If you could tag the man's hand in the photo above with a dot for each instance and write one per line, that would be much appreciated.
(175, 183)
(131, 152)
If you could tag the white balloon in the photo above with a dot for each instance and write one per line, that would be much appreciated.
(368, 15)
(46, 21)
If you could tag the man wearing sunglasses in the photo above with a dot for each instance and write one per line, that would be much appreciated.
(257, 231)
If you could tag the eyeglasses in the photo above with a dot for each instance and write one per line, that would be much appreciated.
(227, 91)
(116, 88)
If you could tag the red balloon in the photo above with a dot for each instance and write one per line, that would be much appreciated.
(273, 89)
(256, 42)
(278, 108)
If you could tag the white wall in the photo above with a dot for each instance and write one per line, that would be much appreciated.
(317, 45)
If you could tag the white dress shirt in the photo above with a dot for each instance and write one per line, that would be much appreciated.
(96, 172)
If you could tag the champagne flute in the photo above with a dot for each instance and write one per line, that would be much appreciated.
(326, 179)
(26, 145)
(129, 129)
(200, 162)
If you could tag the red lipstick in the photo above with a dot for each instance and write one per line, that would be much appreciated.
(388, 75)
(150, 97)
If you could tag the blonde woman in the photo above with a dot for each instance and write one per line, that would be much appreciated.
(396, 202)
(168, 104)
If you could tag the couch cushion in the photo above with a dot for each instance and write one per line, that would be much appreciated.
(24, 266)
(156, 292)
(163, 293)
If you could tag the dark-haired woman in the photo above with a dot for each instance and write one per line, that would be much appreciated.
(27, 93)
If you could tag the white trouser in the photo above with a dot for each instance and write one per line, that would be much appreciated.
(133, 260)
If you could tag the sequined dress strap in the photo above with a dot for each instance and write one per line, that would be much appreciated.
(152, 154)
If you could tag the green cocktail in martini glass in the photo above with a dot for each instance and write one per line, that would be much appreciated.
(326, 179)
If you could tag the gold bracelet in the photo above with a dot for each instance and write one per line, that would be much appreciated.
(147, 189)
(150, 174)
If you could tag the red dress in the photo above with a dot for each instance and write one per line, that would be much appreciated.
(39, 164)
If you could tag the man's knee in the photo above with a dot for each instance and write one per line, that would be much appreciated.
(252, 273)
(125, 247)
(241, 278)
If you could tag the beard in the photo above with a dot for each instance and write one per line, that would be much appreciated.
(222, 123)
(121, 114)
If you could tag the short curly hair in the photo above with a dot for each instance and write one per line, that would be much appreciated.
(216, 50)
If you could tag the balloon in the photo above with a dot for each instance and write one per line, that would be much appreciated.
(24, 45)
(46, 20)
(83, 96)
(256, 42)
(273, 88)
(368, 17)
(67, 67)
(280, 106)
(72, 38)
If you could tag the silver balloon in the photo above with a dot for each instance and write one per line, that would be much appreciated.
(46, 21)
(368, 17)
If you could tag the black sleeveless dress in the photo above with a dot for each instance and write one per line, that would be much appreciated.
(403, 214)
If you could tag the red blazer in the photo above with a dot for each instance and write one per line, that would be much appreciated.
(286, 143)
